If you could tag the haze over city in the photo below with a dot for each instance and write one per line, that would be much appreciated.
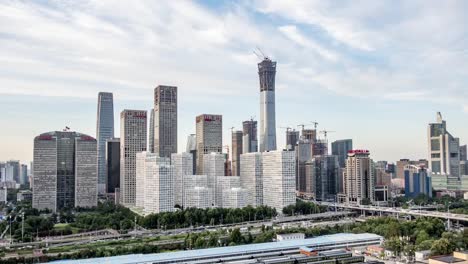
(373, 71)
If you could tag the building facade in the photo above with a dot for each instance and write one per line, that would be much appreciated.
(213, 166)
(165, 120)
(113, 164)
(104, 131)
(359, 177)
(292, 137)
(133, 137)
(64, 171)
(417, 181)
(249, 138)
(341, 148)
(266, 74)
(159, 185)
(279, 179)
(322, 176)
(251, 177)
(444, 149)
(209, 138)
(183, 167)
(236, 151)
(151, 132)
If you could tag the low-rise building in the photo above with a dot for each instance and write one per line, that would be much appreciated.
(293, 236)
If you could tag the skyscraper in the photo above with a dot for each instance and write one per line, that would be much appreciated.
(340, 148)
(444, 149)
(266, 73)
(463, 153)
(236, 152)
(279, 179)
(133, 132)
(304, 152)
(359, 177)
(104, 131)
(24, 179)
(251, 177)
(249, 139)
(165, 120)
(151, 132)
(417, 181)
(322, 176)
(209, 137)
(12, 171)
(65, 170)
(113, 164)
(183, 166)
(192, 149)
(292, 137)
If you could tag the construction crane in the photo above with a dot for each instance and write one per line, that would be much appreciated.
(287, 128)
(232, 129)
(303, 125)
(262, 55)
(325, 133)
(315, 124)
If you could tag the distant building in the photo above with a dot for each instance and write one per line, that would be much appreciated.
(236, 151)
(151, 132)
(266, 74)
(24, 195)
(235, 198)
(113, 164)
(293, 236)
(225, 184)
(249, 138)
(279, 179)
(165, 120)
(12, 171)
(65, 171)
(444, 149)
(24, 177)
(213, 166)
(104, 131)
(304, 152)
(159, 185)
(322, 177)
(309, 134)
(402, 163)
(417, 181)
(183, 166)
(209, 138)
(320, 147)
(192, 148)
(463, 153)
(133, 136)
(341, 148)
(251, 177)
(292, 137)
(197, 193)
(359, 177)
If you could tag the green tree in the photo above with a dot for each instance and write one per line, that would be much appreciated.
(442, 247)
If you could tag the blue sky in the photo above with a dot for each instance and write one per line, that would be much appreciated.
(373, 71)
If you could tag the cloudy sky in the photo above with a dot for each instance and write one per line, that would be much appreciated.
(373, 71)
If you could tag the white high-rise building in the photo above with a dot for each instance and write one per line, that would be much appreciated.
(223, 185)
(196, 192)
(279, 179)
(213, 166)
(183, 166)
(133, 138)
(266, 74)
(251, 177)
(444, 149)
(235, 198)
(140, 177)
(359, 178)
(159, 185)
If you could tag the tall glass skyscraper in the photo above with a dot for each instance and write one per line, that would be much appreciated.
(266, 74)
(165, 120)
(104, 131)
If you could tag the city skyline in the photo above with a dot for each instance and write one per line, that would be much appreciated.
(376, 98)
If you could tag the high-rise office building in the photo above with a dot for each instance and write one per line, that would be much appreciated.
(196, 192)
(65, 170)
(304, 152)
(213, 167)
(24, 177)
(209, 138)
(224, 184)
(444, 149)
(12, 171)
(292, 137)
(104, 131)
(249, 139)
(183, 166)
(165, 120)
(151, 132)
(320, 147)
(251, 177)
(158, 188)
(402, 163)
(463, 154)
(279, 179)
(192, 149)
(417, 181)
(340, 148)
(133, 136)
(267, 73)
(322, 176)
(236, 152)
(113, 164)
(359, 177)
(2, 171)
